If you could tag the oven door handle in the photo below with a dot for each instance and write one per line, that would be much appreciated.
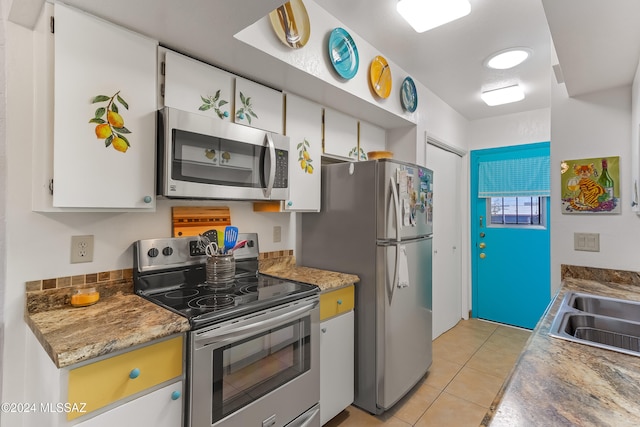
(272, 170)
(248, 327)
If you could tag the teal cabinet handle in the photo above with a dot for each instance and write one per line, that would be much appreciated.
(339, 302)
(147, 199)
(176, 395)
(135, 373)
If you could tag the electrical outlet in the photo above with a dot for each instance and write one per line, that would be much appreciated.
(277, 234)
(81, 249)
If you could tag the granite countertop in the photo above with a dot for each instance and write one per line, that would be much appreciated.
(558, 382)
(119, 320)
(323, 279)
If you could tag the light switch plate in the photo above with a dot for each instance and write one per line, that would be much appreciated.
(586, 242)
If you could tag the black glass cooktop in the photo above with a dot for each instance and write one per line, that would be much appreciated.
(204, 304)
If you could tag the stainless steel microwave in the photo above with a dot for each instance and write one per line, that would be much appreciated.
(202, 157)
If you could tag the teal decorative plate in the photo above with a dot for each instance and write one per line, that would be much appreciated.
(343, 53)
(408, 95)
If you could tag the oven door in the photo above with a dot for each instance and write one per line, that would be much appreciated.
(261, 369)
(205, 157)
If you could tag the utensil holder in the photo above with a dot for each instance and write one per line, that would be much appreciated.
(221, 270)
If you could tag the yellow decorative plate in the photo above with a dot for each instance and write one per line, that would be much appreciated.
(380, 77)
(291, 24)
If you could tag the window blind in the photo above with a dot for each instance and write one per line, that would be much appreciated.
(514, 177)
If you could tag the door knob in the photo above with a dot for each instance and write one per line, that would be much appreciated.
(483, 255)
(482, 245)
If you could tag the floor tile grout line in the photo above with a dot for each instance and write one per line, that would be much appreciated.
(448, 383)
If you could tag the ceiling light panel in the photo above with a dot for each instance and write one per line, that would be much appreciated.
(505, 95)
(424, 15)
(509, 58)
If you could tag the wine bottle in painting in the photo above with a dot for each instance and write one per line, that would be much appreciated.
(605, 179)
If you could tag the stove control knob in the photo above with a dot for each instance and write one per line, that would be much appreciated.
(153, 252)
(168, 250)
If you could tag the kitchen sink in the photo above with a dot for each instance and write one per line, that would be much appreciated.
(604, 306)
(598, 321)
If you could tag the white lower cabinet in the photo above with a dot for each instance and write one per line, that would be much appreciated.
(161, 408)
(336, 365)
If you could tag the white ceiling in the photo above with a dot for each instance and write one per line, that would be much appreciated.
(597, 43)
(449, 59)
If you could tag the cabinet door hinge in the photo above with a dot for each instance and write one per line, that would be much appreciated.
(162, 65)
(162, 90)
(52, 25)
(51, 186)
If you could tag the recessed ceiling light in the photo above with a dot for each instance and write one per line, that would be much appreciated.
(424, 15)
(508, 58)
(503, 95)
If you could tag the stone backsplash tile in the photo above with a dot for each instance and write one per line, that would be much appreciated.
(80, 280)
(275, 254)
(267, 260)
(600, 274)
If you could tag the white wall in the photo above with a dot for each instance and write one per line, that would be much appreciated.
(594, 125)
(512, 129)
(3, 168)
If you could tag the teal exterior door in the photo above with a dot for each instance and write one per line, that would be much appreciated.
(510, 248)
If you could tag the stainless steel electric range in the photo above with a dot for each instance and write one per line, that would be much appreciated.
(253, 348)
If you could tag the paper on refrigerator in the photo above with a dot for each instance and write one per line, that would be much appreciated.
(403, 274)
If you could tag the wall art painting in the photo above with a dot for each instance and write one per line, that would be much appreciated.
(590, 185)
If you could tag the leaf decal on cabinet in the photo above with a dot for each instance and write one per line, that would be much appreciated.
(246, 111)
(214, 101)
(112, 128)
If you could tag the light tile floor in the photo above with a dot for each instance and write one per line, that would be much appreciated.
(470, 363)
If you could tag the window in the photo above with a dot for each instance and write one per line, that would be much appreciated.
(519, 211)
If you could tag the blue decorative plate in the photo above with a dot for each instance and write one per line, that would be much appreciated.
(408, 95)
(343, 53)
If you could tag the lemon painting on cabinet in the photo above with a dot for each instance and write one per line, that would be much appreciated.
(112, 129)
(214, 101)
(304, 158)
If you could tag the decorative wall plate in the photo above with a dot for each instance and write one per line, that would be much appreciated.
(291, 24)
(343, 53)
(380, 77)
(408, 95)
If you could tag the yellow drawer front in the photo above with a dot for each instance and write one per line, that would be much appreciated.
(101, 383)
(336, 302)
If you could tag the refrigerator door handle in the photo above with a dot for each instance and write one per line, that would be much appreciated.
(396, 203)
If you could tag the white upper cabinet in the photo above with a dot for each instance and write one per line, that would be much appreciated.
(194, 86)
(372, 138)
(340, 135)
(304, 129)
(104, 112)
(258, 106)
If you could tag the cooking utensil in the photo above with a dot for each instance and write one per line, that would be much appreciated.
(209, 236)
(239, 245)
(212, 249)
(230, 237)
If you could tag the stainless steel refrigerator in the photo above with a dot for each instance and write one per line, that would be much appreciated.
(376, 221)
